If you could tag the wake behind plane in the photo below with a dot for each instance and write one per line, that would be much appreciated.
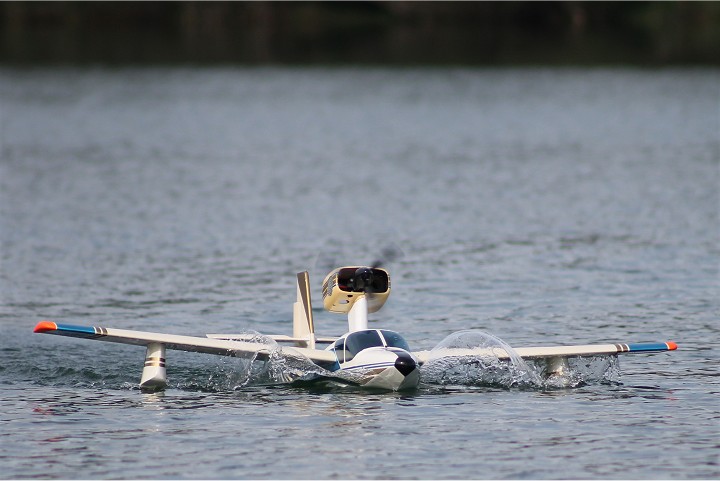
(375, 358)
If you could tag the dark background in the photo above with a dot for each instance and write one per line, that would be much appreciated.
(378, 33)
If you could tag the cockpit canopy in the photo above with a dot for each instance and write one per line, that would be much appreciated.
(347, 347)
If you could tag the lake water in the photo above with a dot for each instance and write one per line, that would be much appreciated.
(543, 206)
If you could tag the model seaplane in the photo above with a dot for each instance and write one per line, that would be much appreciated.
(378, 358)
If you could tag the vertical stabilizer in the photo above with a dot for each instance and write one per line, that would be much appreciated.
(302, 311)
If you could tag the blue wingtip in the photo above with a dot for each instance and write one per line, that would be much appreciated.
(67, 329)
(652, 346)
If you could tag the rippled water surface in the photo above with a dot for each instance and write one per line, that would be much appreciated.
(539, 206)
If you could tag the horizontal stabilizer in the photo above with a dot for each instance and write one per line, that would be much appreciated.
(557, 351)
(222, 347)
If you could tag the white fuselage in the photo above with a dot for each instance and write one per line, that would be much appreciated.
(377, 358)
(381, 367)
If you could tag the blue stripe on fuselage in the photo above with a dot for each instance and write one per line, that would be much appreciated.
(370, 366)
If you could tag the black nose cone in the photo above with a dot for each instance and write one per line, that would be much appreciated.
(405, 364)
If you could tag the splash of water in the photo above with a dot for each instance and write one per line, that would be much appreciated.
(493, 363)
(581, 371)
(278, 368)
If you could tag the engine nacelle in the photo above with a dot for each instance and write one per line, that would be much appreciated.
(345, 285)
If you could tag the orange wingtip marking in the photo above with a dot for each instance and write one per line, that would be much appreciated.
(45, 326)
(671, 345)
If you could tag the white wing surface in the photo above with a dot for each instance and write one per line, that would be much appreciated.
(221, 347)
(557, 351)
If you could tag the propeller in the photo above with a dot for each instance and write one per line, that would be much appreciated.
(367, 278)
(389, 253)
(363, 280)
(335, 255)
(367, 283)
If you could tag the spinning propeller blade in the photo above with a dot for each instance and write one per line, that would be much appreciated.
(390, 253)
(365, 278)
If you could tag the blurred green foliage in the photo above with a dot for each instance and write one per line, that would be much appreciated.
(471, 33)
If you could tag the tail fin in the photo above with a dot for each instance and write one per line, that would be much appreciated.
(302, 311)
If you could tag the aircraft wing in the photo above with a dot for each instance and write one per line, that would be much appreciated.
(221, 347)
(549, 352)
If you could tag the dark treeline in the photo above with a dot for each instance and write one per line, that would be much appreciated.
(471, 33)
